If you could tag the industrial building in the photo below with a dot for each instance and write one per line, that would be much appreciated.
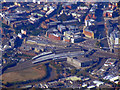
(79, 61)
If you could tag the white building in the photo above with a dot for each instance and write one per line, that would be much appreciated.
(38, 2)
(89, 22)
(84, 85)
(19, 35)
(115, 78)
(50, 11)
(115, 38)
(23, 31)
(45, 8)
(92, 86)
(98, 83)
(34, 1)
(82, 7)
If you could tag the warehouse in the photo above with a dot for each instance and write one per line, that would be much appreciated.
(79, 61)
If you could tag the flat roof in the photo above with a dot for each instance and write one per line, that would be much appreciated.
(81, 58)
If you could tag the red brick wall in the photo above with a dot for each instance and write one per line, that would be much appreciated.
(54, 37)
(67, 40)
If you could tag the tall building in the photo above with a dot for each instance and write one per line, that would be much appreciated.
(115, 38)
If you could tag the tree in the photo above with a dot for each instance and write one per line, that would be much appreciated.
(33, 88)
(79, 73)
(18, 42)
(5, 55)
(35, 32)
(7, 4)
(98, 43)
(73, 71)
(8, 84)
(68, 71)
(74, 6)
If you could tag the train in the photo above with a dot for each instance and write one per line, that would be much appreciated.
(42, 54)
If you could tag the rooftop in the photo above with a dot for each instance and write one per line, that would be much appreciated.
(81, 58)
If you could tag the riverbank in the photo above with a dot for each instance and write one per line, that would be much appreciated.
(30, 76)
